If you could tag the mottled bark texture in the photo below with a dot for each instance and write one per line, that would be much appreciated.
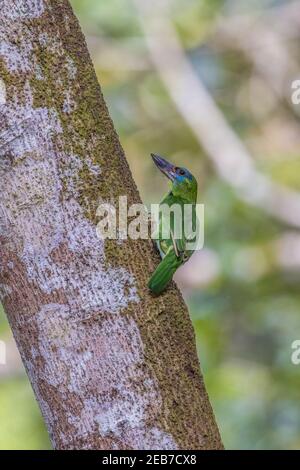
(111, 366)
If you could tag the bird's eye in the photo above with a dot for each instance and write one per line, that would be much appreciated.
(179, 171)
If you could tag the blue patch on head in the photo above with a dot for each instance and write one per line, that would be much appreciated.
(187, 174)
(179, 178)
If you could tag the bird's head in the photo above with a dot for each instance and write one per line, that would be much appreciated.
(183, 182)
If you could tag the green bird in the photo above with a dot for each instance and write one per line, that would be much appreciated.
(173, 246)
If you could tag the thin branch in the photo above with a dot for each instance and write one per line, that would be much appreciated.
(266, 49)
(230, 157)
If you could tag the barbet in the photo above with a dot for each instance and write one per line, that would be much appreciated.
(174, 249)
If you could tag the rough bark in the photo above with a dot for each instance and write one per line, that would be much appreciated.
(111, 366)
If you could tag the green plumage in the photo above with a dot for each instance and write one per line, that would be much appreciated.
(173, 248)
(164, 272)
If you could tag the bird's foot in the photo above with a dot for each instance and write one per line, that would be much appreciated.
(183, 256)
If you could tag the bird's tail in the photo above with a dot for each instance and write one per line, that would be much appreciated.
(164, 272)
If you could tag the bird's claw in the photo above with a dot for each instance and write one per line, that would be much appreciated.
(184, 257)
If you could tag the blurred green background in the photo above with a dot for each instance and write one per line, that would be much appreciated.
(243, 287)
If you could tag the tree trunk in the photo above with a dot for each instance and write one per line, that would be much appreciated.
(111, 366)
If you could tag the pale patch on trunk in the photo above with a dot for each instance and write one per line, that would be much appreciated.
(119, 406)
(2, 92)
(19, 9)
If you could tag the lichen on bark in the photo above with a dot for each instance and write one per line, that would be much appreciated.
(111, 366)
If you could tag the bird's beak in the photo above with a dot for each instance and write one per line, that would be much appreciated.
(165, 167)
